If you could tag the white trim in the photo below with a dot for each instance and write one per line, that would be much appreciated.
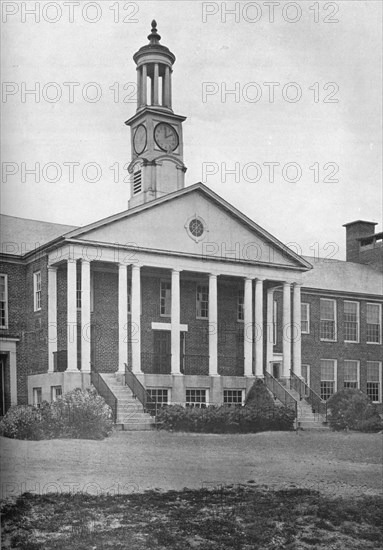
(168, 282)
(5, 326)
(206, 390)
(380, 379)
(380, 322)
(308, 381)
(357, 371)
(335, 339)
(358, 321)
(167, 326)
(36, 306)
(196, 301)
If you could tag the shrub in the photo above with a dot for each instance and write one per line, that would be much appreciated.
(352, 409)
(79, 414)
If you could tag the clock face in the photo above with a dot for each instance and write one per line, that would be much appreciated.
(166, 137)
(139, 140)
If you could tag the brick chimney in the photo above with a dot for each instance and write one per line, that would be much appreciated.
(363, 245)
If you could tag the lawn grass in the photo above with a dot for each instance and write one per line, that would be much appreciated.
(240, 517)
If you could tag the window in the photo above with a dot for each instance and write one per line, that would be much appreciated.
(56, 391)
(37, 291)
(196, 227)
(159, 395)
(196, 398)
(78, 291)
(165, 299)
(129, 295)
(240, 305)
(328, 378)
(37, 397)
(3, 301)
(374, 380)
(351, 321)
(233, 397)
(305, 318)
(327, 319)
(137, 182)
(351, 374)
(374, 324)
(275, 318)
(202, 302)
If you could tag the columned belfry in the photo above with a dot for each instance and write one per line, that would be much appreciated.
(157, 166)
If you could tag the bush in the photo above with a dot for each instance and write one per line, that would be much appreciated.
(352, 409)
(260, 413)
(78, 414)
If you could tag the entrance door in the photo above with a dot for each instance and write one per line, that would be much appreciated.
(162, 352)
(306, 376)
(2, 384)
(276, 370)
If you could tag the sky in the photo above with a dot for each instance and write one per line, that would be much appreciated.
(282, 99)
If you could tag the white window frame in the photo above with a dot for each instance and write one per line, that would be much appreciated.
(35, 394)
(357, 320)
(37, 291)
(54, 395)
(379, 381)
(308, 381)
(334, 320)
(357, 372)
(197, 404)
(78, 291)
(275, 322)
(163, 299)
(380, 322)
(233, 390)
(198, 308)
(241, 305)
(307, 307)
(335, 374)
(162, 389)
(5, 325)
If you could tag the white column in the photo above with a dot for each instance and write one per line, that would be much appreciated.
(136, 319)
(155, 85)
(270, 328)
(175, 322)
(297, 340)
(286, 334)
(139, 87)
(85, 316)
(166, 98)
(248, 328)
(144, 83)
(122, 317)
(259, 328)
(213, 326)
(71, 316)
(52, 316)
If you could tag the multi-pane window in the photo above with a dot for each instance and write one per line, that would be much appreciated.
(351, 321)
(351, 374)
(129, 295)
(3, 301)
(37, 290)
(166, 296)
(202, 311)
(275, 318)
(196, 398)
(327, 319)
(233, 397)
(374, 380)
(37, 397)
(56, 391)
(328, 378)
(241, 305)
(159, 395)
(374, 324)
(78, 291)
(305, 318)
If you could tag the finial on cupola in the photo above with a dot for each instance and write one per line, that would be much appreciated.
(154, 37)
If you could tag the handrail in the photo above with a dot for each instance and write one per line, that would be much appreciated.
(149, 404)
(318, 405)
(105, 392)
(281, 393)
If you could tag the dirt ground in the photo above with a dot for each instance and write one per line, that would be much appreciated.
(132, 462)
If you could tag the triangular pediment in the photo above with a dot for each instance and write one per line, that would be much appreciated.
(164, 225)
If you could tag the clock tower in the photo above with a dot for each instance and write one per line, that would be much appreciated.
(157, 166)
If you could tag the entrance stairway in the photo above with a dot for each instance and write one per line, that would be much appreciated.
(306, 418)
(130, 412)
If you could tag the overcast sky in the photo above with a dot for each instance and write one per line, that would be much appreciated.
(332, 54)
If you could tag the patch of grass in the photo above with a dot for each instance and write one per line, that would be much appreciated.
(239, 517)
